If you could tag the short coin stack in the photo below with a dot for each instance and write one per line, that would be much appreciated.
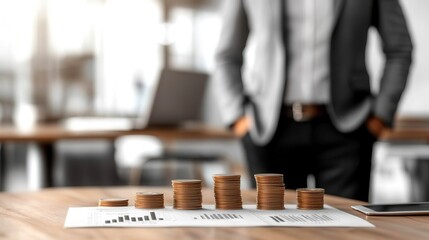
(270, 191)
(187, 194)
(227, 191)
(149, 200)
(310, 198)
(113, 202)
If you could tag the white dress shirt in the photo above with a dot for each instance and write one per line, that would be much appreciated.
(309, 29)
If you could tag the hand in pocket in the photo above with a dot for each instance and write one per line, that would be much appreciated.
(375, 126)
(241, 126)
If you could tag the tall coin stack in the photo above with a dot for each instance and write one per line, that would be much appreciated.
(310, 198)
(227, 192)
(113, 202)
(270, 191)
(149, 200)
(187, 194)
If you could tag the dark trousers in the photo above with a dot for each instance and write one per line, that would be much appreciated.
(340, 162)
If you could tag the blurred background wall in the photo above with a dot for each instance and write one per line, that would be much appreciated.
(94, 56)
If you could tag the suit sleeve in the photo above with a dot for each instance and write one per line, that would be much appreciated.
(390, 22)
(227, 79)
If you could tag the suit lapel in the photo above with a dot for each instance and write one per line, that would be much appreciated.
(338, 7)
(282, 4)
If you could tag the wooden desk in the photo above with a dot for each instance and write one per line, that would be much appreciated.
(49, 133)
(406, 135)
(408, 129)
(399, 153)
(45, 135)
(41, 215)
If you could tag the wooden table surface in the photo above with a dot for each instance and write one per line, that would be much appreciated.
(52, 133)
(41, 215)
(408, 129)
(406, 135)
(47, 133)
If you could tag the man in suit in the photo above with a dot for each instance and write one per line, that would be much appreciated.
(291, 80)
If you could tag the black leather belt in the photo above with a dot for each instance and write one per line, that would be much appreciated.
(304, 112)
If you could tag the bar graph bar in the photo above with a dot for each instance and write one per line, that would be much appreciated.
(153, 216)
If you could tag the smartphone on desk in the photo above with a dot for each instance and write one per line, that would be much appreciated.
(418, 208)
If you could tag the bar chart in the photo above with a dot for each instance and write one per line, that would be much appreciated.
(220, 216)
(152, 216)
(301, 218)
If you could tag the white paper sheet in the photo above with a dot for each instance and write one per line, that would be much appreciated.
(249, 216)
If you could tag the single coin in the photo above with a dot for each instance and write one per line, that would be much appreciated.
(112, 202)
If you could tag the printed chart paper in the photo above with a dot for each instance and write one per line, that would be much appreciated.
(249, 216)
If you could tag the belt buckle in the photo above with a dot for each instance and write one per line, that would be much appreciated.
(297, 112)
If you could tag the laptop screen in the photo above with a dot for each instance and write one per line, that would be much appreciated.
(178, 98)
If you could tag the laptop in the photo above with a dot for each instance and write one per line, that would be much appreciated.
(178, 100)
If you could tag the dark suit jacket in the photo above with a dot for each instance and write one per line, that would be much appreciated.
(257, 88)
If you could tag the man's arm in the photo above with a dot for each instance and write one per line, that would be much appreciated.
(390, 22)
(228, 85)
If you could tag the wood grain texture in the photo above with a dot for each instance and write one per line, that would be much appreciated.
(41, 215)
(408, 129)
(420, 135)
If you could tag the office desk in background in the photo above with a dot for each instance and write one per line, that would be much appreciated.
(53, 132)
(408, 129)
(41, 215)
(401, 163)
(46, 135)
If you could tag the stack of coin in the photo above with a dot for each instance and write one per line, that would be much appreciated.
(149, 200)
(310, 198)
(187, 194)
(270, 191)
(113, 202)
(227, 191)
